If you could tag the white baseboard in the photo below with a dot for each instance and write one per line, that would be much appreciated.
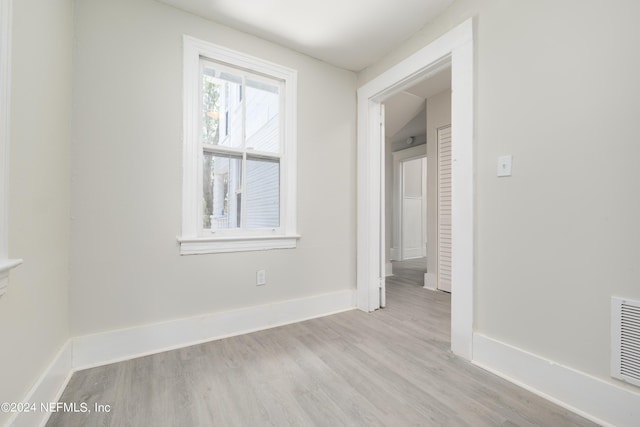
(412, 253)
(600, 401)
(114, 346)
(388, 269)
(430, 281)
(48, 388)
(395, 254)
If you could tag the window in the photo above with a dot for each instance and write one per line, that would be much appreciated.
(239, 171)
(6, 264)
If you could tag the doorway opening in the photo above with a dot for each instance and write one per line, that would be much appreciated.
(407, 247)
(454, 49)
(418, 167)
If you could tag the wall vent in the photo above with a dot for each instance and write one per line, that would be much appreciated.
(625, 340)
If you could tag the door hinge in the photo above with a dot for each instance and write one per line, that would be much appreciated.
(380, 282)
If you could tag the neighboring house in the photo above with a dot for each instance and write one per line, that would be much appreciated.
(225, 173)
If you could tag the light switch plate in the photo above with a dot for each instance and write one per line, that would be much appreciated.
(261, 277)
(504, 165)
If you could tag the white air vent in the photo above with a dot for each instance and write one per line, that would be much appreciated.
(625, 340)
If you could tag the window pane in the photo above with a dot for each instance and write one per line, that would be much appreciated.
(222, 176)
(263, 112)
(263, 193)
(221, 108)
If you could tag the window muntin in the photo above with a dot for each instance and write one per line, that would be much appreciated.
(241, 131)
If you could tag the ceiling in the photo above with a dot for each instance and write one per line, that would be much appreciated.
(432, 85)
(350, 34)
(399, 110)
(405, 111)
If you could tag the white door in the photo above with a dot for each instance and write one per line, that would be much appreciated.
(383, 245)
(444, 208)
(413, 208)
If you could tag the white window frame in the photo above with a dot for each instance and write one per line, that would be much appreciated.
(6, 264)
(192, 240)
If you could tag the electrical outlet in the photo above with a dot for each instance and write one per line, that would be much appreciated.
(261, 277)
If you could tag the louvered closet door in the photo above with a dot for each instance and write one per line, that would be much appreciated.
(444, 208)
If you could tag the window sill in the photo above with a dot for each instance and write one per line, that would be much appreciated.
(5, 267)
(213, 245)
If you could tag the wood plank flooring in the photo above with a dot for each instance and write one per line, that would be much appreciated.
(410, 272)
(392, 367)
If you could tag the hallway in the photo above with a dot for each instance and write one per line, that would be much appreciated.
(410, 271)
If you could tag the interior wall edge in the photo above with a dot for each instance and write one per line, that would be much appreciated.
(47, 389)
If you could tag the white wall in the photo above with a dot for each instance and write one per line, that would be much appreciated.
(126, 191)
(399, 145)
(34, 311)
(438, 115)
(557, 87)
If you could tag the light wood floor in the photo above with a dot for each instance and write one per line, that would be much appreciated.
(410, 272)
(392, 367)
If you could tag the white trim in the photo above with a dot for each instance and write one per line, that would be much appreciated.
(462, 197)
(455, 47)
(6, 264)
(388, 269)
(114, 346)
(412, 253)
(190, 241)
(602, 402)
(235, 244)
(5, 267)
(590, 397)
(410, 153)
(382, 224)
(431, 281)
(48, 388)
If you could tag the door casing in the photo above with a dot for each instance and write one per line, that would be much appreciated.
(454, 48)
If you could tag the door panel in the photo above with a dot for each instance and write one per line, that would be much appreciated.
(444, 209)
(382, 249)
(412, 209)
